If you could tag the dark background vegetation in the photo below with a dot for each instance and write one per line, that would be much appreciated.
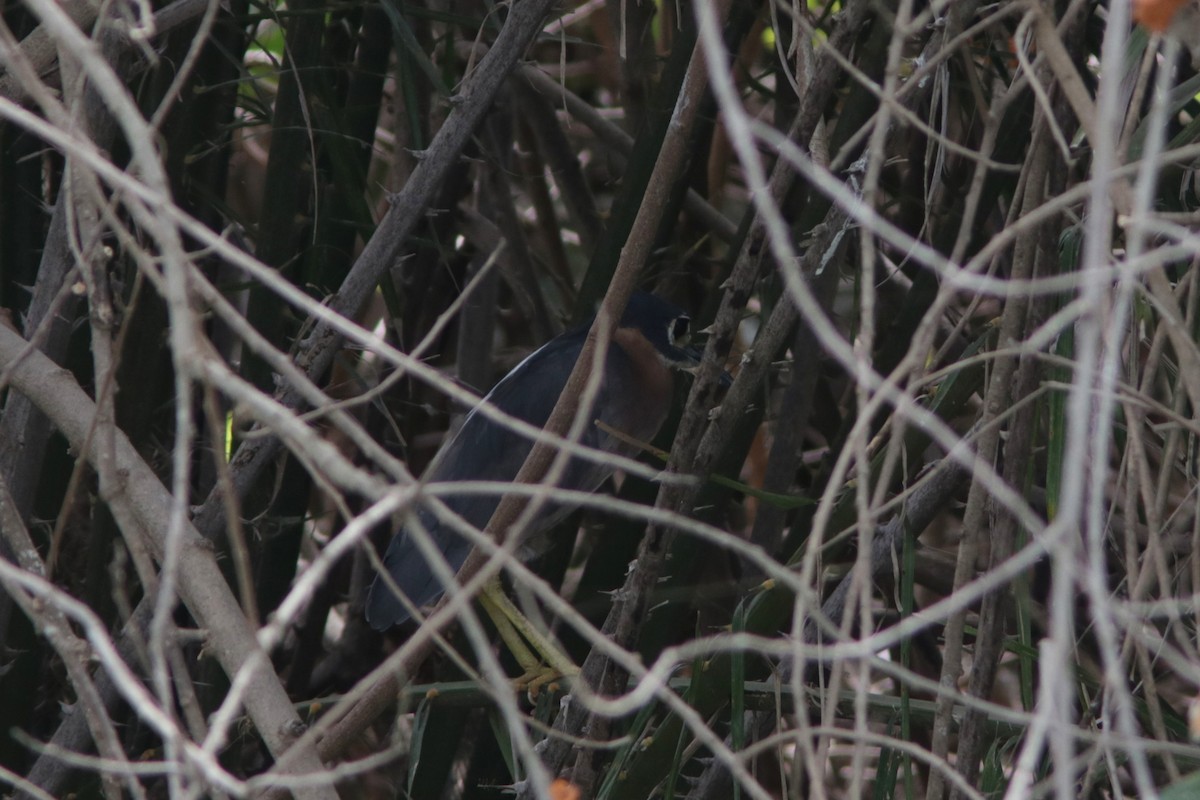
(963, 414)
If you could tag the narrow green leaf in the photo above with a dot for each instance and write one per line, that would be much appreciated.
(504, 740)
(412, 48)
(737, 688)
(420, 725)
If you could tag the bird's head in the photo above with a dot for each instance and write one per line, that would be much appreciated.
(665, 326)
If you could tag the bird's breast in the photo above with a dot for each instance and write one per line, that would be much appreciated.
(641, 387)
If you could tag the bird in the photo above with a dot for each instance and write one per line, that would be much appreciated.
(635, 394)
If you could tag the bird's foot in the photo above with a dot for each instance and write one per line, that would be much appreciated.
(542, 676)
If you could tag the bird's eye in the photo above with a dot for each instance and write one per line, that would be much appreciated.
(679, 331)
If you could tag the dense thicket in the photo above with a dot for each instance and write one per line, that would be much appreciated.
(936, 536)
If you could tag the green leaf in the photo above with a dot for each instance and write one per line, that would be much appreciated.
(419, 728)
(1187, 788)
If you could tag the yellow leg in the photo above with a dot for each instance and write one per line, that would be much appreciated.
(543, 663)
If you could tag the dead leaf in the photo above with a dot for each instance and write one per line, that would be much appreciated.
(563, 789)
(1156, 15)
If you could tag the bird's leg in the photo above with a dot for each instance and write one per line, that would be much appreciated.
(512, 639)
(545, 661)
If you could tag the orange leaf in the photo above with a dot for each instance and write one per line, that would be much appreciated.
(563, 789)
(1156, 15)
